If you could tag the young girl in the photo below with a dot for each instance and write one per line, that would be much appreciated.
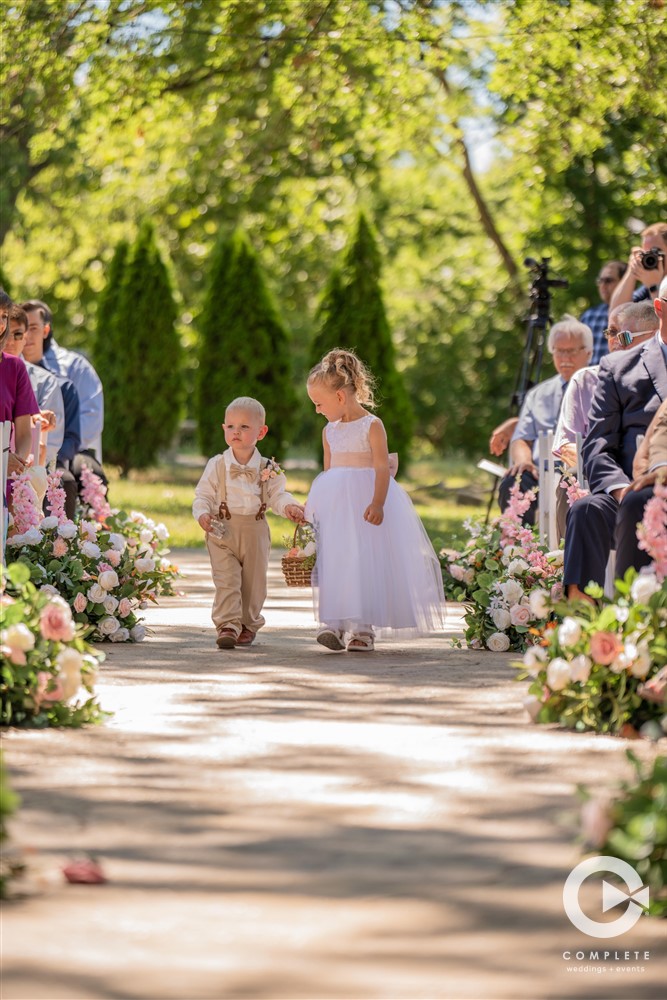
(376, 568)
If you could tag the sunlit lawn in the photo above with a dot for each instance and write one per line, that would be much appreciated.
(438, 490)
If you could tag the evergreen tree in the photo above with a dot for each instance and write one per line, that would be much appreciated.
(244, 349)
(352, 316)
(142, 371)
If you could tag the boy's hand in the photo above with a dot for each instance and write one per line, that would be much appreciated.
(205, 522)
(374, 513)
(295, 512)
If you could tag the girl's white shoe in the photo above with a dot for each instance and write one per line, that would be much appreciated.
(332, 638)
(361, 642)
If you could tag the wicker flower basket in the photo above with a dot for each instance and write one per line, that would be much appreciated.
(297, 569)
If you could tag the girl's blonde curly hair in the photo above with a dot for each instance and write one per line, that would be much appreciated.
(340, 369)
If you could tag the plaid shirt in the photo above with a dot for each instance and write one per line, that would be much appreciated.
(596, 317)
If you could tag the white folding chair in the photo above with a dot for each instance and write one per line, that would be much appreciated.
(546, 498)
(5, 435)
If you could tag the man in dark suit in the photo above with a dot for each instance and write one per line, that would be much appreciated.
(631, 386)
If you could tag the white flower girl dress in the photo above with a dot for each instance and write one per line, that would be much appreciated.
(386, 576)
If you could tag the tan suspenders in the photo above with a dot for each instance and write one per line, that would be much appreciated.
(223, 510)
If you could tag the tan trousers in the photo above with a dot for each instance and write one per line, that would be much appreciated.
(239, 564)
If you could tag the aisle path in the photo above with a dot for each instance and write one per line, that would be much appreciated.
(282, 822)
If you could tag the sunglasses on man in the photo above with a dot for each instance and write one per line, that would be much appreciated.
(624, 337)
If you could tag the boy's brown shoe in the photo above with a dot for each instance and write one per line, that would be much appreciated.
(226, 638)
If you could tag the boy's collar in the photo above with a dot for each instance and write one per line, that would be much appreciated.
(254, 460)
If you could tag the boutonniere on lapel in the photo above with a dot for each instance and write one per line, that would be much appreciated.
(270, 470)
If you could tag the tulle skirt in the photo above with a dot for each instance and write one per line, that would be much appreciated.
(386, 576)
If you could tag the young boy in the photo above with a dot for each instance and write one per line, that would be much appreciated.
(230, 499)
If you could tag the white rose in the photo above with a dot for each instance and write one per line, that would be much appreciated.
(500, 618)
(145, 536)
(107, 626)
(69, 661)
(138, 632)
(91, 549)
(120, 635)
(538, 603)
(517, 567)
(116, 542)
(32, 536)
(48, 522)
(644, 587)
(96, 594)
(67, 530)
(164, 565)
(15, 540)
(512, 591)
(558, 674)
(556, 557)
(498, 642)
(138, 517)
(468, 574)
(532, 705)
(309, 549)
(534, 659)
(580, 668)
(70, 684)
(108, 579)
(110, 604)
(162, 532)
(47, 588)
(145, 564)
(90, 529)
(641, 661)
(18, 636)
(620, 664)
(569, 633)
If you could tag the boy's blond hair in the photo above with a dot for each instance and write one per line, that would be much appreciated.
(250, 404)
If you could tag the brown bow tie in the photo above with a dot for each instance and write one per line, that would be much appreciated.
(239, 472)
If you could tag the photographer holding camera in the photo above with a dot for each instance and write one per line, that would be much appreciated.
(646, 265)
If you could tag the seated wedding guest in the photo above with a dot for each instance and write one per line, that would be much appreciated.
(629, 325)
(79, 370)
(654, 238)
(631, 386)
(33, 351)
(651, 455)
(571, 345)
(44, 385)
(596, 317)
(17, 400)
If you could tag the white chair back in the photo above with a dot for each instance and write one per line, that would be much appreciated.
(546, 497)
(5, 435)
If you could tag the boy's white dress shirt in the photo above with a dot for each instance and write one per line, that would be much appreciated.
(243, 495)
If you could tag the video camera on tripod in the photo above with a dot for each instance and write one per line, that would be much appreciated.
(538, 321)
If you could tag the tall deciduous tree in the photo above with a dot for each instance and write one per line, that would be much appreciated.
(244, 348)
(143, 370)
(353, 317)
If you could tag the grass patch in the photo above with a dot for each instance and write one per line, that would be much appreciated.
(438, 490)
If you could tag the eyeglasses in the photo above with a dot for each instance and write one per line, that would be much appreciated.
(606, 281)
(568, 352)
(624, 337)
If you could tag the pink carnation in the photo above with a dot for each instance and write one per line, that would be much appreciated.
(60, 547)
(604, 647)
(55, 622)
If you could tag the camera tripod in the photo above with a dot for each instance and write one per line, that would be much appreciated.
(538, 322)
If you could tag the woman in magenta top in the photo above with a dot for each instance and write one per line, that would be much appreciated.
(17, 401)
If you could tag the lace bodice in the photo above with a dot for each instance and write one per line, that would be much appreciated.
(351, 436)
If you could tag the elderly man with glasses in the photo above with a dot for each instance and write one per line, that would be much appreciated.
(571, 345)
(631, 386)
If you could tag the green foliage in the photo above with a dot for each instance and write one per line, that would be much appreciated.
(635, 821)
(9, 802)
(244, 349)
(104, 347)
(352, 316)
(143, 374)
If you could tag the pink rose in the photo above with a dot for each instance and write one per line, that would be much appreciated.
(55, 622)
(124, 607)
(655, 689)
(605, 647)
(14, 655)
(43, 681)
(80, 603)
(556, 592)
(112, 557)
(519, 615)
(60, 548)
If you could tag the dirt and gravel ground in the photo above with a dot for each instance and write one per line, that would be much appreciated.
(283, 822)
